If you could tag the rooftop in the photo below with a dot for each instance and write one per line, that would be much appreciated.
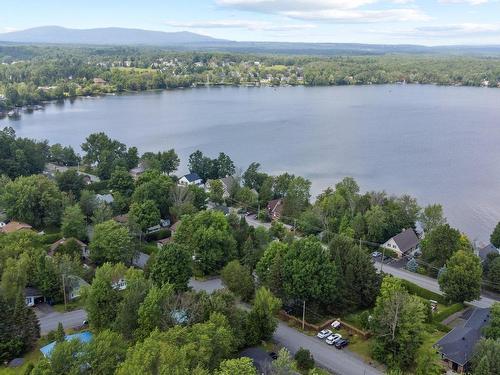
(458, 345)
(83, 337)
(14, 226)
(406, 240)
(191, 177)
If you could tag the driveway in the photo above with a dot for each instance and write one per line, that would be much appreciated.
(209, 286)
(429, 283)
(340, 362)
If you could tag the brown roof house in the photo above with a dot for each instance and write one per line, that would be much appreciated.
(275, 209)
(403, 243)
(14, 226)
(85, 250)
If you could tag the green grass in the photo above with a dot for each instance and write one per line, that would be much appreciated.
(70, 306)
(32, 357)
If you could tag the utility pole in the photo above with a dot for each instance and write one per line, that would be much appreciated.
(64, 291)
(303, 315)
(382, 261)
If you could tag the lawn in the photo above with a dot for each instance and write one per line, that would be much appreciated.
(70, 306)
(32, 357)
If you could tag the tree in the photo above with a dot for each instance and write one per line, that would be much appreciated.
(440, 244)
(462, 279)
(121, 181)
(106, 153)
(269, 269)
(283, 365)
(376, 224)
(240, 366)
(145, 214)
(216, 191)
(296, 197)
(223, 166)
(102, 213)
(252, 178)
(131, 298)
(492, 330)
(494, 273)
(88, 203)
(60, 334)
(495, 236)
(152, 312)
(208, 235)
(432, 217)
(305, 360)
(19, 329)
(63, 155)
(155, 187)
(201, 165)
(308, 273)
(105, 352)
(172, 265)
(262, 318)
(486, 351)
(73, 223)
(427, 361)
(111, 243)
(65, 358)
(397, 325)
(102, 298)
(238, 279)
(70, 182)
(35, 200)
(166, 161)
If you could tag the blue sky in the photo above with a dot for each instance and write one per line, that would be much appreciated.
(429, 22)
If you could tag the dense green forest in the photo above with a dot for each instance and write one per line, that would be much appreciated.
(32, 74)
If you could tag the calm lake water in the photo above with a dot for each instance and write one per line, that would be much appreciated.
(440, 144)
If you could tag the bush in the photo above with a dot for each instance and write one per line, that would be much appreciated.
(424, 293)
(305, 360)
(447, 311)
(49, 239)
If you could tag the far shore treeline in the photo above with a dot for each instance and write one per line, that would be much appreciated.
(30, 75)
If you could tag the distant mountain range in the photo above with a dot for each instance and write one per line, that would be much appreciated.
(191, 41)
(102, 36)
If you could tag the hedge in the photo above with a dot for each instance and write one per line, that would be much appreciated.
(447, 311)
(424, 293)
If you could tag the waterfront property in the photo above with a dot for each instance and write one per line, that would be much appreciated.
(190, 179)
(403, 243)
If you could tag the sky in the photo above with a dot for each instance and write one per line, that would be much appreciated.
(427, 22)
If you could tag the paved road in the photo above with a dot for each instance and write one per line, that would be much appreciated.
(72, 319)
(338, 361)
(429, 283)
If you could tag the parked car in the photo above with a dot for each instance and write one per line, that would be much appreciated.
(342, 343)
(331, 340)
(336, 324)
(376, 254)
(273, 355)
(324, 334)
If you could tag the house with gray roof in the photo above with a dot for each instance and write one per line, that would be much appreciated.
(483, 251)
(457, 347)
(190, 179)
(403, 243)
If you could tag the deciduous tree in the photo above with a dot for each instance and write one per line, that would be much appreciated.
(172, 265)
(73, 223)
(462, 279)
(238, 279)
(111, 243)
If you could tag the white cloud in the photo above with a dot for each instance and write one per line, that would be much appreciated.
(447, 31)
(240, 24)
(339, 11)
(471, 2)
(7, 29)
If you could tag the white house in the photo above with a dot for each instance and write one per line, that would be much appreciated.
(190, 179)
(33, 297)
(403, 243)
(120, 284)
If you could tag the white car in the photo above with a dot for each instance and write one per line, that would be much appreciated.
(376, 254)
(324, 333)
(335, 324)
(333, 339)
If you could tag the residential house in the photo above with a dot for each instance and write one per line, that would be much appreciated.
(403, 243)
(89, 178)
(228, 185)
(275, 208)
(85, 250)
(140, 260)
(83, 337)
(33, 296)
(14, 226)
(51, 169)
(484, 250)
(457, 347)
(119, 284)
(190, 179)
(99, 81)
(75, 286)
(163, 242)
(137, 171)
(104, 198)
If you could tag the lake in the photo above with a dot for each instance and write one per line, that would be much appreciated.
(439, 144)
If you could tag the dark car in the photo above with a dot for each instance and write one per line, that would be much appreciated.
(273, 355)
(341, 343)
